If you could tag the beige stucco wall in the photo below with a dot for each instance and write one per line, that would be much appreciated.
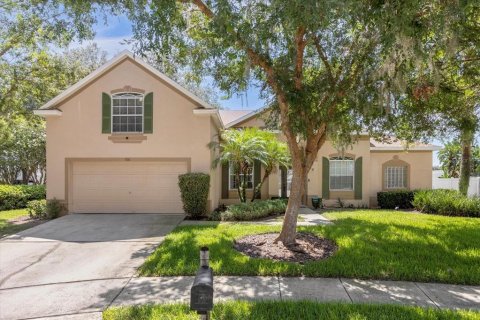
(420, 166)
(177, 132)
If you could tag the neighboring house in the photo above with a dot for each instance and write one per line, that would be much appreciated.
(118, 139)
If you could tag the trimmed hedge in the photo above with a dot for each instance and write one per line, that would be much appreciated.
(253, 210)
(446, 202)
(393, 199)
(17, 196)
(194, 188)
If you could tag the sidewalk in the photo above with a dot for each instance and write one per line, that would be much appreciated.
(177, 289)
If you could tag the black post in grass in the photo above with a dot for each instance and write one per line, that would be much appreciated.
(201, 293)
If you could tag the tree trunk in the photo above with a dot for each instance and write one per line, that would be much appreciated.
(465, 167)
(289, 229)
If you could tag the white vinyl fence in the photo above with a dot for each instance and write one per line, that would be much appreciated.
(452, 183)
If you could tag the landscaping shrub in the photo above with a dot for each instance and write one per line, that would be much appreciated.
(54, 208)
(392, 199)
(17, 196)
(37, 209)
(253, 210)
(446, 202)
(194, 189)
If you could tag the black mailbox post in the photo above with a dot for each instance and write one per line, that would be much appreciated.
(201, 294)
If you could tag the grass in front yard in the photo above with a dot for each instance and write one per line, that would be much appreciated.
(373, 244)
(286, 310)
(7, 227)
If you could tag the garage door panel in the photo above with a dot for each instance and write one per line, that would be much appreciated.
(127, 186)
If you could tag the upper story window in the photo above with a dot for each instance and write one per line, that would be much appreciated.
(127, 112)
(341, 173)
(233, 181)
(395, 177)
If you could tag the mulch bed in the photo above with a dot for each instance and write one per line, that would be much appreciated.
(308, 247)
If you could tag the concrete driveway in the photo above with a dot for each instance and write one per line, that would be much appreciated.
(75, 265)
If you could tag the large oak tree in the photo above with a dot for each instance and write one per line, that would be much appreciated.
(325, 66)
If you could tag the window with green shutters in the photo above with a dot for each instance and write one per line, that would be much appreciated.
(127, 113)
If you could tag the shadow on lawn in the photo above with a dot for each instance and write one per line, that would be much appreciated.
(368, 250)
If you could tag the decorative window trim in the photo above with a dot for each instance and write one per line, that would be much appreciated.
(231, 174)
(341, 158)
(113, 115)
(127, 89)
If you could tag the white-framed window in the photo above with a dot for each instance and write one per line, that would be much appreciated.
(342, 173)
(395, 177)
(232, 178)
(127, 112)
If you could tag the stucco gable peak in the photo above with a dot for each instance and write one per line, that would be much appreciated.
(112, 63)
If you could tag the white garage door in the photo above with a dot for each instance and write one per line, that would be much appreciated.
(126, 187)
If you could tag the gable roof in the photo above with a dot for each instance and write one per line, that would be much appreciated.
(242, 117)
(228, 116)
(112, 63)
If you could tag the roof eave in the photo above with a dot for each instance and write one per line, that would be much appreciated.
(48, 113)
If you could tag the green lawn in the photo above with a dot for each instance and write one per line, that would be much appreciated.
(373, 244)
(7, 227)
(286, 310)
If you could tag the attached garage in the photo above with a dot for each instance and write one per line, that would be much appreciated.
(126, 186)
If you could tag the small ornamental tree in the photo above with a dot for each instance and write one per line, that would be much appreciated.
(239, 149)
(275, 155)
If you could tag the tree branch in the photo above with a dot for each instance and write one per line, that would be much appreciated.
(300, 44)
(258, 59)
(324, 59)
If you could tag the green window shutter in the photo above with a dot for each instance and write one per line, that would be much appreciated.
(358, 179)
(225, 174)
(106, 113)
(405, 176)
(257, 174)
(148, 113)
(325, 178)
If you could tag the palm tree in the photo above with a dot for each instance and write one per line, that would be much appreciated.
(276, 154)
(239, 148)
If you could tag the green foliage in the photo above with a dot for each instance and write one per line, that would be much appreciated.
(393, 199)
(451, 158)
(15, 197)
(372, 244)
(287, 310)
(24, 151)
(54, 208)
(253, 210)
(37, 209)
(194, 188)
(446, 202)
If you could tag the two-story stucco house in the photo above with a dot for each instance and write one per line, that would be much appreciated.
(118, 139)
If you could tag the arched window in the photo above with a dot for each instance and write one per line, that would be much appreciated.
(127, 112)
(396, 174)
(342, 171)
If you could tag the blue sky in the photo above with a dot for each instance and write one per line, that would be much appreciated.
(110, 36)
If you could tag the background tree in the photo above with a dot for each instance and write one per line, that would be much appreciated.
(322, 63)
(22, 135)
(443, 87)
(451, 157)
